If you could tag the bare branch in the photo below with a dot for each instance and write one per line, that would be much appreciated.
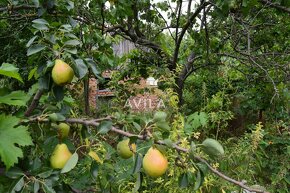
(136, 26)
(167, 26)
(178, 7)
(189, 7)
(182, 33)
(16, 8)
(187, 70)
(206, 33)
(275, 5)
(34, 103)
(268, 75)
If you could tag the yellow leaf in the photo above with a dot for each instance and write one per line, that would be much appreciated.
(95, 156)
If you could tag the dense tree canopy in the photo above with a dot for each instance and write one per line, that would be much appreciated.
(223, 74)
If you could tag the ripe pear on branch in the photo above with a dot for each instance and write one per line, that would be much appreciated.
(155, 163)
(62, 73)
(63, 130)
(126, 150)
(148, 160)
(60, 156)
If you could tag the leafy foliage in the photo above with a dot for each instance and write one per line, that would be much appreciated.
(10, 136)
(10, 70)
(220, 65)
(17, 98)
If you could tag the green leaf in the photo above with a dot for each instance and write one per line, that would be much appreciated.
(188, 128)
(137, 126)
(192, 149)
(105, 127)
(168, 142)
(17, 185)
(66, 28)
(202, 167)
(157, 135)
(73, 22)
(183, 180)
(58, 92)
(72, 43)
(161, 148)
(203, 118)
(71, 163)
(11, 139)
(195, 121)
(47, 189)
(94, 169)
(32, 73)
(71, 50)
(40, 21)
(199, 179)
(43, 82)
(35, 186)
(163, 126)
(14, 173)
(56, 117)
(70, 5)
(160, 116)
(71, 35)
(34, 49)
(31, 41)
(81, 68)
(212, 147)
(10, 70)
(35, 164)
(33, 89)
(191, 117)
(93, 66)
(36, 3)
(190, 178)
(45, 172)
(17, 98)
(40, 26)
(138, 163)
(138, 182)
(52, 38)
(26, 189)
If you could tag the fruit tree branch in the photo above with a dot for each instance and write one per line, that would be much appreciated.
(95, 123)
(16, 8)
(275, 5)
(34, 103)
(182, 33)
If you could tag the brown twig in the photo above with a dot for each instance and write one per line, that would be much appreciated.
(275, 5)
(165, 22)
(34, 103)
(92, 122)
(16, 8)
(182, 33)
